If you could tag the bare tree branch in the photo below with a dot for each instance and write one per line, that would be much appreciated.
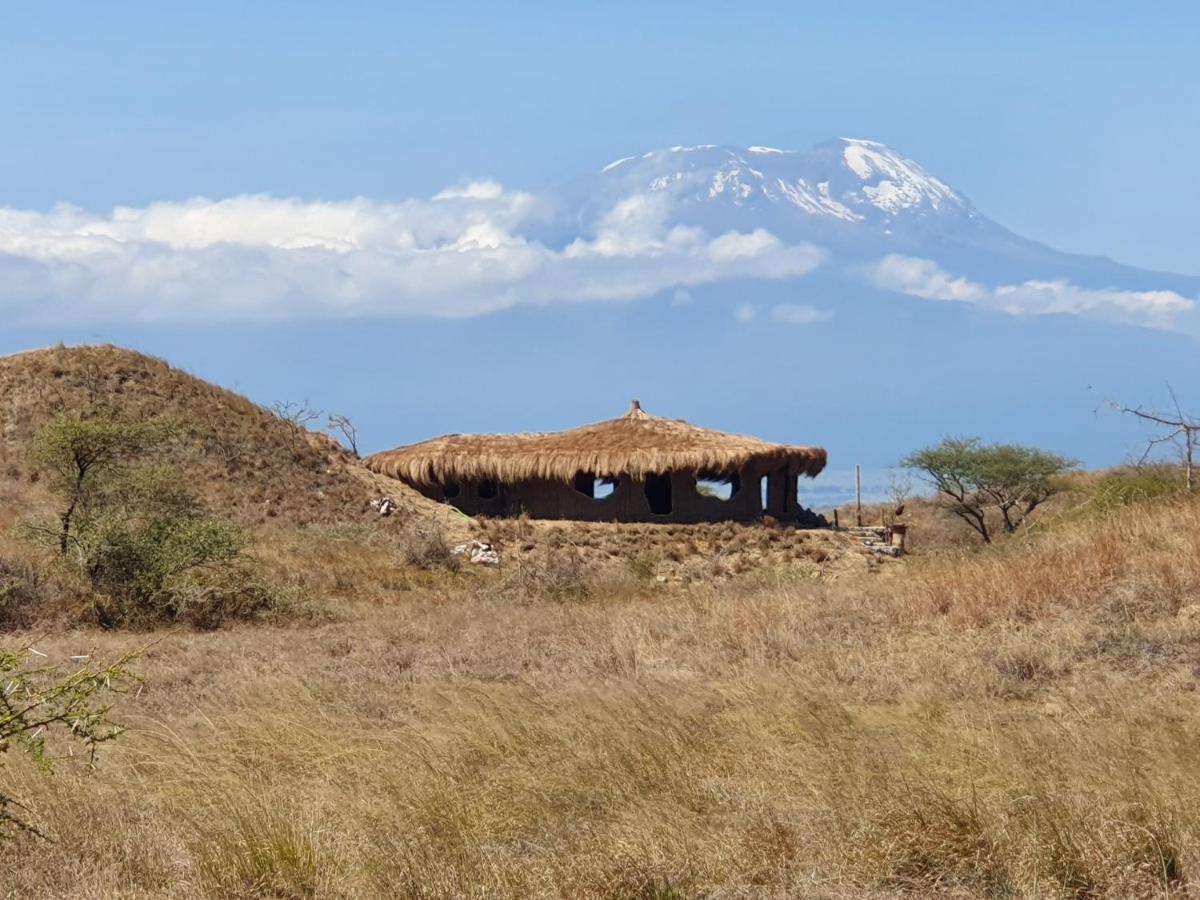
(346, 428)
(297, 416)
(1184, 433)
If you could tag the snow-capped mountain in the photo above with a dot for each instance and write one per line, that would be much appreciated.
(847, 180)
(859, 199)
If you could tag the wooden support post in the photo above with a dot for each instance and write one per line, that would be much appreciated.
(858, 494)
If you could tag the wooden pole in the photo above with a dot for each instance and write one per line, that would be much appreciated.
(858, 494)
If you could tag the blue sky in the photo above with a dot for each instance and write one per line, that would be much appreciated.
(1070, 123)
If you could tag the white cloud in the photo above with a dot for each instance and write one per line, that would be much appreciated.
(798, 314)
(924, 278)
(462, 253)
(745, 312)
(483, 189)
(1061, 296)
(682, 297)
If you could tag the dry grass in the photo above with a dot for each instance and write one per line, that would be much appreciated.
(683, 554)
(616, 712)
(1018, 722)
(636, 444)
(242, 460)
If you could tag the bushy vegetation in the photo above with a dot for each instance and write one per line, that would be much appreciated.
(990, 486)
(22, 595)
(41, 705)
(1136, 485)
(424, 546)
(130, 526)
(912, 733)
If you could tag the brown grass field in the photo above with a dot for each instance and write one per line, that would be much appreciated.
(1018, 721)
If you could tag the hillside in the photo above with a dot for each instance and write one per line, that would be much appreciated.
(613, 711)
(244, 462)
(250, 466)
(910, 734)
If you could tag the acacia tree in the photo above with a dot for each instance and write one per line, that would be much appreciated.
(978, 481)
(82, 454)
(128, 522)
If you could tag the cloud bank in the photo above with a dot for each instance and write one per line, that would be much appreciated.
(464, 252)
(468, 250)
(924, 278)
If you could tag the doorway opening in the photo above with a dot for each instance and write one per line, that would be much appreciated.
(658, 494)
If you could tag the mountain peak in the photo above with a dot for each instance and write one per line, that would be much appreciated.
(892, 181)
(847, 180)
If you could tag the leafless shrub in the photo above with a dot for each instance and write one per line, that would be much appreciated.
(1176, 429)
(22, 595)
(218, 596)
(343, 426)
(297, 417)
(558, 574)
(426, 547)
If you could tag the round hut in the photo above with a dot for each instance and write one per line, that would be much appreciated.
(635, 468)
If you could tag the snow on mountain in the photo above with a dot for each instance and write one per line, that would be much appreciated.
(880, 219)
(860, 199)
(848, 180)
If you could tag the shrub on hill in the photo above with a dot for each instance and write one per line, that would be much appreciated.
(245, 463)
(426, 548)
(129, 525)
(1137, 485)
(21, 595)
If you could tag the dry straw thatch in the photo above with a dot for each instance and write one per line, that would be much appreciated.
(636, 444)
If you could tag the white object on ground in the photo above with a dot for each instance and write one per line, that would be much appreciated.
(478, 552)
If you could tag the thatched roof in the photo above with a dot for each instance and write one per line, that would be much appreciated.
(636, 444)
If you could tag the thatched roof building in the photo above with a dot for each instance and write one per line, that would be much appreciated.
(652, 465)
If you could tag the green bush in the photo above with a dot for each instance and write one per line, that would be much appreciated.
(134, 565)
(1136, 486)
(208, 598)
(131, 526)
(643, 566)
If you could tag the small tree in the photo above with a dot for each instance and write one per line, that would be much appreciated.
(345, 427)
(83, 454)
(900, 489)
(1180, 430)
(38, 703)
(976, 479)
(297, 417)
(128, 522)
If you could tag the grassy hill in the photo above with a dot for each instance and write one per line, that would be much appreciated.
(245, 462)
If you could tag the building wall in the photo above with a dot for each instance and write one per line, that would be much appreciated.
(628, 501)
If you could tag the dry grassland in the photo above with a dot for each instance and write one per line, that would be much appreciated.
(1018, 722)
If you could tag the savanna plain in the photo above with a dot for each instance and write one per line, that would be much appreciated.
(641, 712)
